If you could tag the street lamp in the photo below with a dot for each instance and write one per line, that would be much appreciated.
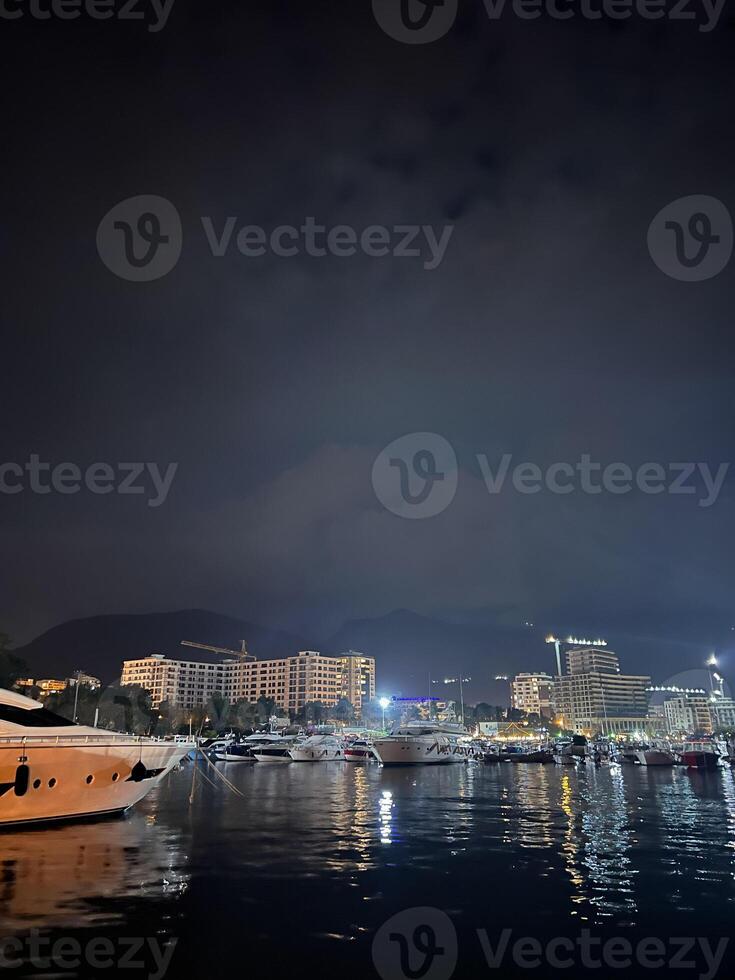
(384, 703)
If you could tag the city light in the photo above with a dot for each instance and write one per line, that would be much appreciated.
(384, 703)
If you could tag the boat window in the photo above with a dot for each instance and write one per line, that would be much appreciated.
(33, 718)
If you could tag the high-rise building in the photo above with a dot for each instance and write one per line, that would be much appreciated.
(581, 660)
(594, 697)
(289, 681)
(357, 679)
(687, 714)
(532, 692)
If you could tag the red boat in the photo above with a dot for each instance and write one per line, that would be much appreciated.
(699, 755)
(359, 751)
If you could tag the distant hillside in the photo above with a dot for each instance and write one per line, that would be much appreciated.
(101, 643)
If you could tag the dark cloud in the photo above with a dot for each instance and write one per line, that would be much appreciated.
(547, 331)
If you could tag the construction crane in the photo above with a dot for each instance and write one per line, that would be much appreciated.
(241, 654)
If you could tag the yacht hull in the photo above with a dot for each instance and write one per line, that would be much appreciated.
(411, 751)
(317, 755)
(45, 779)
(273, 760)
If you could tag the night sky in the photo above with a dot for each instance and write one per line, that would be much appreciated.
(547, 331)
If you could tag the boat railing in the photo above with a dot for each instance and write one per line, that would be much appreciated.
(111, 737)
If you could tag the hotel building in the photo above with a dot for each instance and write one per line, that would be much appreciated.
(289, 681)
(688, 714)
(532, 693)
(594, 697)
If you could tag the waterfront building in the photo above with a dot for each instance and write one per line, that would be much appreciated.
(532, 693)
(722, 712)
(290, 682)
(688, 713)
(187, 683)
(595, 697)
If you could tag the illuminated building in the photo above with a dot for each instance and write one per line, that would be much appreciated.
(722, 712)
(687, 714)
(48, 686)
(289, 681)
(594, 697)
(532, 693)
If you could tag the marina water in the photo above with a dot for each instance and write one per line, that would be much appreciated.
(299, 873)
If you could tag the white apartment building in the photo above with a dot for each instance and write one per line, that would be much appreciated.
(187, 683)
(532, 693)
(722, 711)
(687, 714)
(289, 681)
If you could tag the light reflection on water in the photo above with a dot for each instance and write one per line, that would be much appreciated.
(348, 845)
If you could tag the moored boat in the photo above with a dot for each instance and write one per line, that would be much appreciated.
(423, 743)
(319, 748)
(54, 769)
(359, 751)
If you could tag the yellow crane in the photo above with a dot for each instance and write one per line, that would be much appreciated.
(241, 654)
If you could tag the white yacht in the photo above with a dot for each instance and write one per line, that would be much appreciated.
(245, 750)
(423, 742)
(53, 769)
(319, 748)
(277, 751)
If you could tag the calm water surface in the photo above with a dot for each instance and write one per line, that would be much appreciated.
(300, 873)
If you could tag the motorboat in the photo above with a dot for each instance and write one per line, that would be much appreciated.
(647, 755)
(276, 751)
(54, 769)
(244, 751)
(699, 755)
(424, 743)
(216, 747)
(319, 748)
(359, 751)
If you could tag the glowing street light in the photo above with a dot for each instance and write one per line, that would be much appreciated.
(384, 703)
